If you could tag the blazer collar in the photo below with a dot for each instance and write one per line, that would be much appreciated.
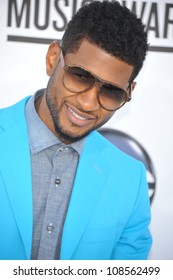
(89, 183)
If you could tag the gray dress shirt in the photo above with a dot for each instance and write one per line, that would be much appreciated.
(54, 167)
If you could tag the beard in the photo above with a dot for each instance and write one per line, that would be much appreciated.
(63, 133)
(55, 114)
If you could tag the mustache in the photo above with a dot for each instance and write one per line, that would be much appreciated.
(77, 106)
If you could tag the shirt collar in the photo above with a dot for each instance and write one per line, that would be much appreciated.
(40, 136)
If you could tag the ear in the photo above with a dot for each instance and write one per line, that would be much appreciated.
(133, 85)
(53, 55)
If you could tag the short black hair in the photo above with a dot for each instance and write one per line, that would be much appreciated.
(112, 27)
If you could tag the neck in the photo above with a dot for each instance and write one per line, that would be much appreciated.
(43, 112)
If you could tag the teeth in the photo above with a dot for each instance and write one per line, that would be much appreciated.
(76, 115)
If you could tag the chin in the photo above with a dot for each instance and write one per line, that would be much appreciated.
(69, 137)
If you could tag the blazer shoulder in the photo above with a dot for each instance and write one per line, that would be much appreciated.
(112, 153)
(12, 114)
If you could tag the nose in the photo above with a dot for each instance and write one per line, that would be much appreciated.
(88, 100)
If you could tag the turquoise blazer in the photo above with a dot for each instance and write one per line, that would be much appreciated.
(109, 210)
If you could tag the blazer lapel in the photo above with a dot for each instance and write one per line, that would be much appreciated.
(16, 171)
(90, 178)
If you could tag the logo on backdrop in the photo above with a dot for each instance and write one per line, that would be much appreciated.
(47, 20)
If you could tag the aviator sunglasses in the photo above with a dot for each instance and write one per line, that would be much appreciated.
(77, 79)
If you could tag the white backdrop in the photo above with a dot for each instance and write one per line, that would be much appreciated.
(148, 116)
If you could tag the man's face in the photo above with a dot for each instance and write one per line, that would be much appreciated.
(73, 115)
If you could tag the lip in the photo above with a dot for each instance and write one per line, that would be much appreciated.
(77, 117)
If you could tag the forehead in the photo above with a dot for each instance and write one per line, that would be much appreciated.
(101, 63)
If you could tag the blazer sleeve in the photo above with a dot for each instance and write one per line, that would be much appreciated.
(135, 241)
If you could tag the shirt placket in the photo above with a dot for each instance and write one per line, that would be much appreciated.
(57, 201)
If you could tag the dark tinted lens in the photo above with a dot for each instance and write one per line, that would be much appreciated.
(77, 79)
(111, 97)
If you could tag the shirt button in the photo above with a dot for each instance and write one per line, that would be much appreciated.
(50, 228)
(61, 149)
(57, 181)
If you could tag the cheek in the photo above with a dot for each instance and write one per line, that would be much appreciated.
(105, 116)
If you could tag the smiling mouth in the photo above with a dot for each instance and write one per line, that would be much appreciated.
(77, 117)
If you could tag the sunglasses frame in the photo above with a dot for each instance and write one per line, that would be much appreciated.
(98, 80)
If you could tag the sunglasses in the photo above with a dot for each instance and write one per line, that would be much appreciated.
(77, 79)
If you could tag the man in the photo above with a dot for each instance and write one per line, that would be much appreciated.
(65, 191)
